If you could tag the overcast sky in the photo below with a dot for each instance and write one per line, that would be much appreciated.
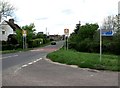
(56, 15)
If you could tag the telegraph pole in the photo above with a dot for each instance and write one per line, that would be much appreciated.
(119, 15)
(46, 30)
(100, 45)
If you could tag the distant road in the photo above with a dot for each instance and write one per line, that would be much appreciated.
(19, 58)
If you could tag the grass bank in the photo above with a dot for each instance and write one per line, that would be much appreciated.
(86, 60)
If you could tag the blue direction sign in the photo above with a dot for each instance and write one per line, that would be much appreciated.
(107, 33)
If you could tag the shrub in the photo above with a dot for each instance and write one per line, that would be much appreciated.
(35, 43)
(8, 47)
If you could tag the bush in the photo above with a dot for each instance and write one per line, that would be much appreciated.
(8, 47)
(4, 42)
(12, 39)
(84, 45)
(94, 47)
(35, 43)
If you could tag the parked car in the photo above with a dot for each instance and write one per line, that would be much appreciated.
(53, 43)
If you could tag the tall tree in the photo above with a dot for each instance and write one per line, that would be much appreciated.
(30, 31)
(111, 22)
(77, 27)
(84, 36)
(87, 31)
(6, 9)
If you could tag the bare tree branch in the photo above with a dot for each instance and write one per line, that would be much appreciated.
(6, 9)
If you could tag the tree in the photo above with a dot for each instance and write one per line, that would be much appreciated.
(6, 9)
(77, 28)
(12, 39)
(81, 40)
(19, 37)
(30, 31)
(111, 22)
(87, 31)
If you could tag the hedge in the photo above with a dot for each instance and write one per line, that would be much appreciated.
(35, 42)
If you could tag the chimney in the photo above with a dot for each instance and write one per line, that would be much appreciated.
(11, 21)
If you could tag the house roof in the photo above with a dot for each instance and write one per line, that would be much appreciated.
(13, 25)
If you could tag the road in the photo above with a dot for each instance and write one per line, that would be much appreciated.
(32, 68)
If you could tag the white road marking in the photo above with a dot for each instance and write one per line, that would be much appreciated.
(25, 65)
(91, 75)
(30, 63)
(37, 50)
(34, 61)
(9, 56)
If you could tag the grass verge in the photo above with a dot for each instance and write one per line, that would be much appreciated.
(86, 60)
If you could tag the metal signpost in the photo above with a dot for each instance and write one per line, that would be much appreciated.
(24, 33)
(104, 33)
(66, 32)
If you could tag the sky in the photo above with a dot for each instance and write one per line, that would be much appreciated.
(56, 15)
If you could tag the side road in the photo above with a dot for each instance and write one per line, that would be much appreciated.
(47, 73)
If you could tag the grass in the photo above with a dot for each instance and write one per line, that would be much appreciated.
(86, 60)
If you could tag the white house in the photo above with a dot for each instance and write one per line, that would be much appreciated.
(7, 28)
(5, 31)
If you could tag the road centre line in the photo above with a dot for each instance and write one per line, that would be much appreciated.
(25, 65)
(31, 62)
(9, 56)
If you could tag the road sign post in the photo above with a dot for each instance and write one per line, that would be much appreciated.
(104, 33)
(66, 32)
(24, 33)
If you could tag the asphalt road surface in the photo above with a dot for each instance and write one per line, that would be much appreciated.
(31, 68)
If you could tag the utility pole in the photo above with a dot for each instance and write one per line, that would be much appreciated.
(119, 15)
(46, 30)
(100, 45)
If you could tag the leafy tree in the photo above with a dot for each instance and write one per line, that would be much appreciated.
(116, 39)
(12, 39)
(77, 28)
(19, 37)
(82, 40)
(30, 31)
(87, 31)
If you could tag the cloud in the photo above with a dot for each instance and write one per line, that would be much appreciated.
(42, 18)
(67, 11)
(59, 14)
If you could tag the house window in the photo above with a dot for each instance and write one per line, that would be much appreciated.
(3, 32)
